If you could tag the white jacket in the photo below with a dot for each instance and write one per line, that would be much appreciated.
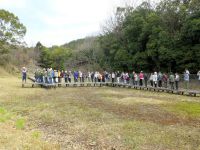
(155, 77)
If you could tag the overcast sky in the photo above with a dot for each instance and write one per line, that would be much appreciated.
(55, 22)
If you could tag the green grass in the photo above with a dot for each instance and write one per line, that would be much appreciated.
(4, 115)
(36, 134)
(20, 123)
(191, 109)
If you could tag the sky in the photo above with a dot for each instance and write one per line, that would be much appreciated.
(56, 22)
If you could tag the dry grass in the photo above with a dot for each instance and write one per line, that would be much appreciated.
(96, 118)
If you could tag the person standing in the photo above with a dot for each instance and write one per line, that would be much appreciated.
(99, 76)
(24, 74)
(165, 79)
(113, 77)
(151, 79)
(186, 78)
(66, 76)
(89, 76)
(70, 76)
(45, 76)
(118, 77)
(48, 75)
(59, 77)
(80, 76)
(56, 76)
(160, 79)
(92, 76)
(155, 79)
(198, 75)
(83, 76)
(141, 76)
(95, 76)
(37, 75)
(44, 72)
(177, 79)
(76, 75)
(145, 79)
(136, 79)
(127, 78)
(172, 80)
(52, 75)
(123, 77)
(132, 77)
(106, 76)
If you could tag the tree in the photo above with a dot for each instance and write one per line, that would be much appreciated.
(11, 33)
(163, 38)
(11, 30)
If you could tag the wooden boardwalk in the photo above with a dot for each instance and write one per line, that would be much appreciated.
(110, 84)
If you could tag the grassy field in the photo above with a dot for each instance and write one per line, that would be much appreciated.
(95, 118)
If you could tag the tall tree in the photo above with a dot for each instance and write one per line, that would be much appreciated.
(11, 33)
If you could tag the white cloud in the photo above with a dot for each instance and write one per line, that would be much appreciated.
(60, 36)
(14, 4)
(55, 22)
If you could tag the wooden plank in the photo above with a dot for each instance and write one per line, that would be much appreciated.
(46, 85)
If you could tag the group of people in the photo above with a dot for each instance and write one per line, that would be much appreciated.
(155, 79)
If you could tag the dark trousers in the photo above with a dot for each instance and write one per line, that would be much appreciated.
(66, 80)
(24, 78)
(160, 83)
(113, 80)
(145, 82)
(141, 82)
(151, 82)
(176, 85)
